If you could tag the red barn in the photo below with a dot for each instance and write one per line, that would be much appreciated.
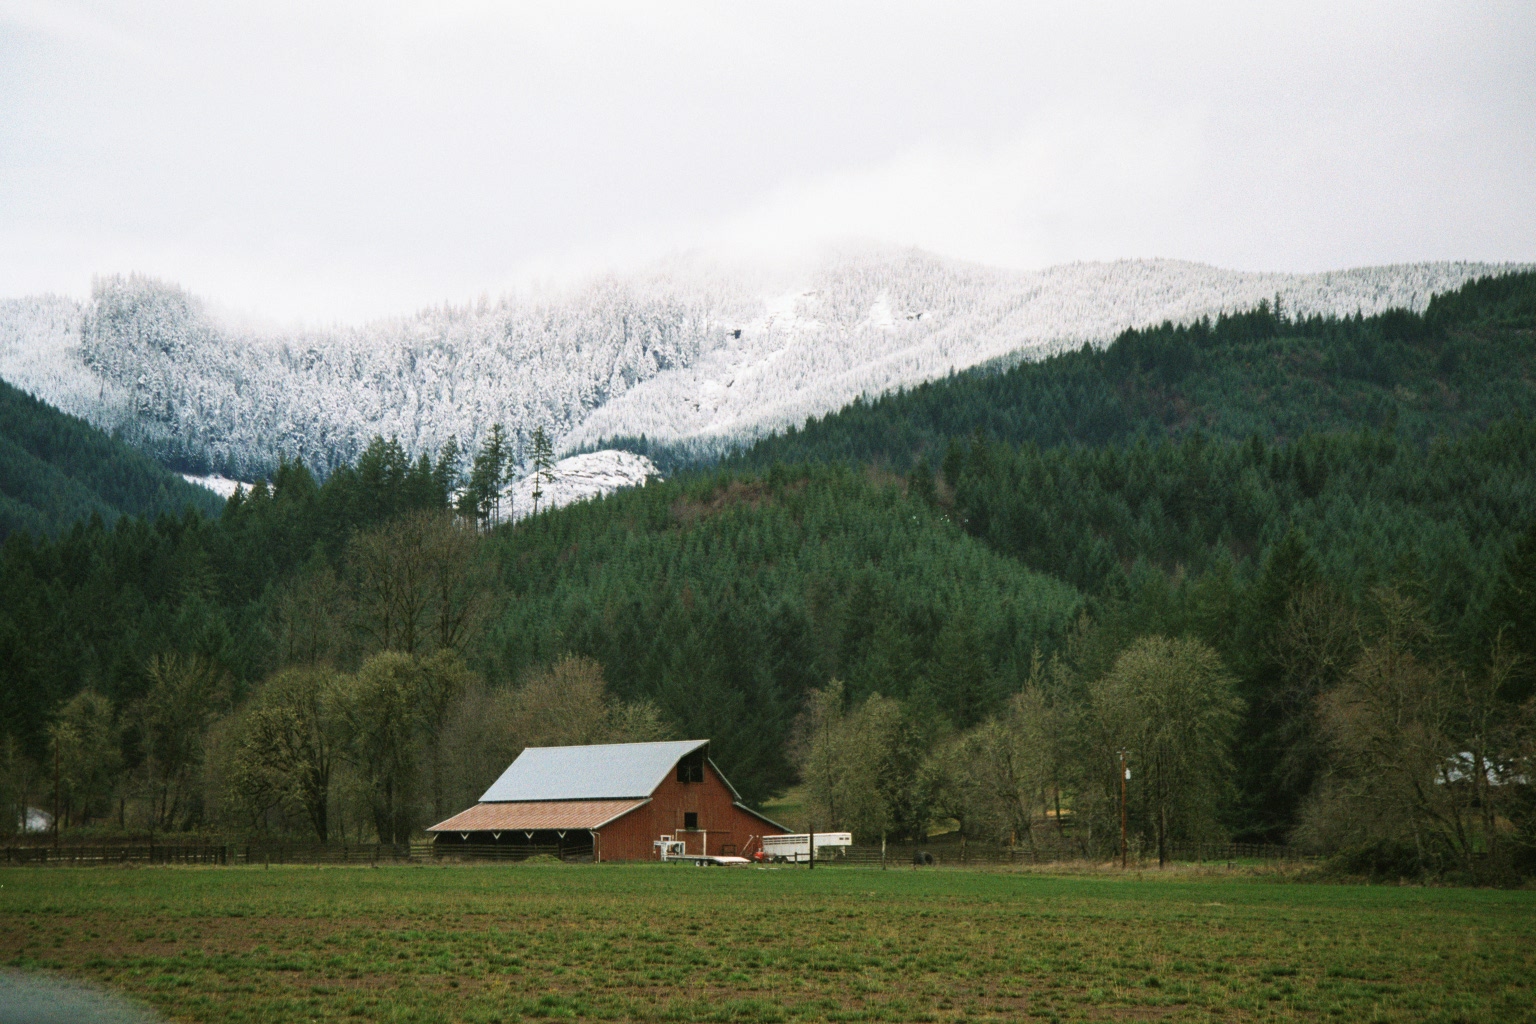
(610, 802)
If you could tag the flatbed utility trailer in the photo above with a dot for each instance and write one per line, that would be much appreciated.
(676, 851)
(796, 847)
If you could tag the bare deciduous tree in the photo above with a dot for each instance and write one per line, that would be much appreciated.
(1315, 645)
(186, 693)
(20, 782)
(310, 618)
(565, 703)
(85, 741)
(1422, 752)
(419, 584)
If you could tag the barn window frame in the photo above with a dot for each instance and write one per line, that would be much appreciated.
(691, 767)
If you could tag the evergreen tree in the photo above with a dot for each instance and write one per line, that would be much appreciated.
(487, 479)
(543, 464)
(447, 477)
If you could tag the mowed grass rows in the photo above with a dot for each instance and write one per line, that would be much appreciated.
(670, 943)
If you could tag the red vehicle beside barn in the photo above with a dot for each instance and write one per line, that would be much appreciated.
(611, 802)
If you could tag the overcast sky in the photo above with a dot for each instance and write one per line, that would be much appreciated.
(328, 160)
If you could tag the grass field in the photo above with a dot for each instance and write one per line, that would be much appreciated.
(670, 943)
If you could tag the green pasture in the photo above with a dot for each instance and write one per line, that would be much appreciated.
(671, 943)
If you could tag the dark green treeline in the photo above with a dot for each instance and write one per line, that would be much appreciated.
(90, 608)
(57, 469)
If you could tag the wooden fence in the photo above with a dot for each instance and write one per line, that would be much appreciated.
(106, 854)
(1055, 851)
(944, 852)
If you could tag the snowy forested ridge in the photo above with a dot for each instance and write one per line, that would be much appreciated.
(573, 479)
(687, 352)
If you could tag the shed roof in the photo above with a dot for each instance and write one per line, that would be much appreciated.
(539, 814)
(606, 771)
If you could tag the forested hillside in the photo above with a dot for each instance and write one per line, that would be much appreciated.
(1221, 481)
(1372, 507)
(721, 602)
(56, 469)
(90, 608)
(1285, 567)
(726, 601)
(1469, 359)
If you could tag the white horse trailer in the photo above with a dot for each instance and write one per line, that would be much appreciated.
(796, 847)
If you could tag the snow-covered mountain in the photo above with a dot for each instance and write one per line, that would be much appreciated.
(688, 352)
(149, 360)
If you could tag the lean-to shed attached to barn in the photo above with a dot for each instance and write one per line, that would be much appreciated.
(611, 802)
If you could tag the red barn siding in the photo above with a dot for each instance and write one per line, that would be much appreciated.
(726, 827)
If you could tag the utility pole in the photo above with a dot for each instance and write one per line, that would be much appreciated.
(1125, 774)
(55, 791)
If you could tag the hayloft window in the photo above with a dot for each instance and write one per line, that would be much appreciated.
(690, 821)
(691, 767)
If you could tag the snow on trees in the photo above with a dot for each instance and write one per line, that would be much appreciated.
(688, 352)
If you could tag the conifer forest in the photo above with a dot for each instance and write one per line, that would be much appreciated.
(1283, 563)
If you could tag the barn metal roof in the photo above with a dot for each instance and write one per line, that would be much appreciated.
(608, 771)
(541, 814)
